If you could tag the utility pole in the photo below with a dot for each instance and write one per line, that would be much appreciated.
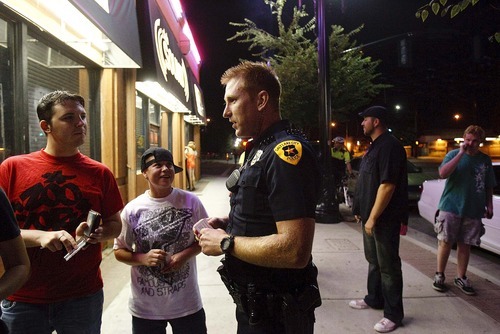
(327, 209)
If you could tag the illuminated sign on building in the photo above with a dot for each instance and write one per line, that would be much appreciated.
(168, 61)
(164, 65)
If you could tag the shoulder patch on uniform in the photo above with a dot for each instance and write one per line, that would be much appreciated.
(289, 151)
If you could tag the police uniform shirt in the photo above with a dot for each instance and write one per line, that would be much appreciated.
(341, 155)
(339, 160)
(279, 181)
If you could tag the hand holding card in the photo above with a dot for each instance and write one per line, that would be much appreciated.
(201, 224)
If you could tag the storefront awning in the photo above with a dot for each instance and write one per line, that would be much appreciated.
(107, 35)
(116, 19)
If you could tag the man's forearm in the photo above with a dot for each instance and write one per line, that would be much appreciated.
(384, 195)
(449, 167)
(289, 248)
(32, 237)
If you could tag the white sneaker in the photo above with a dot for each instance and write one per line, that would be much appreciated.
(385, 325)
(358, 304)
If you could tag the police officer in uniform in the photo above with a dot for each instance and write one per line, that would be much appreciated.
(341, 159)
(267, 237)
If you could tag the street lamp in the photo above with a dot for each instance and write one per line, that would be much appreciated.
(327, 209)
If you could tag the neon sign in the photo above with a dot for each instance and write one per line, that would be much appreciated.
(168, 61)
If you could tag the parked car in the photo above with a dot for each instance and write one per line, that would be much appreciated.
(415, 179)
(429, 200)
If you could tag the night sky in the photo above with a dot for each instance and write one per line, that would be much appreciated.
(448, 74)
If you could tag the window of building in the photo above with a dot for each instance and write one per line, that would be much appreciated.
(140, 130)
(6, 123)
(170, 139)
(50, 70)
(147, 125)
(28, 70)
(154, 124)
(154, 113)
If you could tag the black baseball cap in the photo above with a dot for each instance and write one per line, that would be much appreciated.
(160, 154)
(375, 111)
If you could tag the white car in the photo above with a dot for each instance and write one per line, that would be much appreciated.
(429, 200)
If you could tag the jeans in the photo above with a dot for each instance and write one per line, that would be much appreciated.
(190, 324)
(74, 316)
(385, 278)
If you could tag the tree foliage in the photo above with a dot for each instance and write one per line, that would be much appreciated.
(352, 74)
(294, 56)
(445, 7)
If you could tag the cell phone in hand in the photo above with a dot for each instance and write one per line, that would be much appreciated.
(93, 222)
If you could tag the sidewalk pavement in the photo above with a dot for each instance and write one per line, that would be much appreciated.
(338, 254)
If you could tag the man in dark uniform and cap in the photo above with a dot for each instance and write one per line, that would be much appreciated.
(267, 237)
(381, 203)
